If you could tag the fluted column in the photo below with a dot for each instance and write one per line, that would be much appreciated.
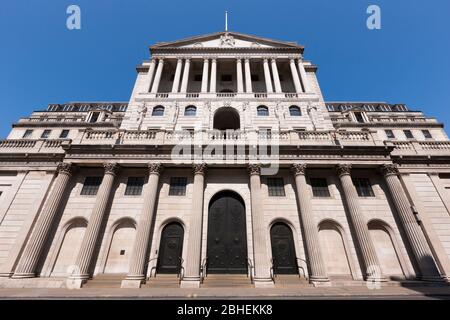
(267, 76)
(318, 273)
(418, 243)
(184, 82)
(192, 275)
(276, 76)
(33, 250)
(205, 76)
(138, 260)
(260, 233)
(303, 76)
(295, 77)
(84, 258)
(240, 79)
(150, 74)
(371, 265)
(176, 79)
(212, 85)
(248, 76)
(158, 75)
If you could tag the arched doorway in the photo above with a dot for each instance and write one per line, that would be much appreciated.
(170, 248)
(226, 118)
(283, 249)
(227, 234)
(120, 248)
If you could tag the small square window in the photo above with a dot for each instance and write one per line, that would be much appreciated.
(177, 186)
(408, 134)
(363, 187)
(27, 134)
(198, 77)
(134, 186)
(389, 134)
(64, 134)
(226, 77)
(91, 186)
(427, 134)
(122, 252)
(276, 187)
(359, 117)
(46, 134)
(320, 187)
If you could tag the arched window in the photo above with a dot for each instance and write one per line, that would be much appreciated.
(158, 111)
(295, 111)
(190, 111)
(262, 111)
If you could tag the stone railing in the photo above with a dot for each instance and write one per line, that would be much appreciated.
(420, 147)
(32, 145)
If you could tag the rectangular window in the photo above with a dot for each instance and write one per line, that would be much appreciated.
(226, 77)
(408, 134)
(94, 117)
(45, 134)
(427, 134)
(64, 134)
(91, 186)
(198, 77)
(363, 187)
(27, 134)
(359, 117)
(134, 186)
(177, 186)
(389, 134)
(320, 187)
(276, 187)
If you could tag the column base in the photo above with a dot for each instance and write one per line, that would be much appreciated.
(190, 283)
(23, 275)
(320, 282)
(131, 284)
(263, 283)
(6, 274)
(76, 281)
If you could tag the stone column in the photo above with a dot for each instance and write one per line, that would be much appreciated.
(176, 79)
(248, 77)
(240, 79)
(33, 250)
(318, 273)
(267, 76)
(158, 75)
(276, 76)
(205, 76)
(303, 76)
(139, 255)
(418, 243)
(192, 275)
(150, 73)
(212, 85)
(84, 258)
(297, 84)
(260, 232)
(371, 266)
(184, 82)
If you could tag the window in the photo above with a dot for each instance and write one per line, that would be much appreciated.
(276, 187)
(254, 77)
(91, 185)
(363, 187)
(27, 134)
(295, 111)
(226, 77)
(190, 111)
(64, 134)
(408, 134)
(94, 117)
(359, 117)
(262, 111)
(158, 111)
(45, 134)
(134, 186)
(177, 186)
(319, 187)
(389, 134)
(198, 77)
(427, 134)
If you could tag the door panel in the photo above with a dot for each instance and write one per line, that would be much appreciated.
(170, 249)
(283, 249)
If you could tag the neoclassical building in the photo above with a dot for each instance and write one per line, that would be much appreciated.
(225, 168)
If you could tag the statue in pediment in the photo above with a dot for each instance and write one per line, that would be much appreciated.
(226, 40)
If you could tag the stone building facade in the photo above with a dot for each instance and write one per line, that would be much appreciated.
(226, 161)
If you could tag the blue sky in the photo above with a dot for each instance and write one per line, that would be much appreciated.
(43, 62)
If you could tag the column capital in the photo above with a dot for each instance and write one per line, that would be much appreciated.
(273, 59)
(343, 169)
(299, 168)
(155, 168)
(111, 168)
(389, 169)
(199, 168)
(239, 59)
(206, 59)
(161, 60)
(266, 60)
(65, 168)
(247, 60)
(254, 169)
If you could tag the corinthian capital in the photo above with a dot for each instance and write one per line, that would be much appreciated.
(155, 168)
(389, 169)
(254, 169)
(343, 169)
(299, 168)
(65, 168)
(199, 168)
(111, 168)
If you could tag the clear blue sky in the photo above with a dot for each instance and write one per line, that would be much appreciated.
(42, 62)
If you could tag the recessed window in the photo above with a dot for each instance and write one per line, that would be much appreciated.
(363, 187)
(91, 186)
(122, 252)
(226, 77)
(190, 111)
(295, 111)
(262, 111)
(177, 186)
(64, 134)
(134, 186)
(359, 117)
(319, 187)
(45, 134)
(198, 77)
(94, 117)
(389, 134)
(254, 77)
(427, 134)
(408, 134)
(27, 134)
(276, 187)
(158, 111)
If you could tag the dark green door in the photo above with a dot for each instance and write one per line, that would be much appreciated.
(283, 249)
(170, 249)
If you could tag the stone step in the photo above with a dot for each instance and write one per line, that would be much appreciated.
(284, 281)
(162, 281)
(227, 281)
(105, 281)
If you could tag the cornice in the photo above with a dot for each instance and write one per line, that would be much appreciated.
(389, 125)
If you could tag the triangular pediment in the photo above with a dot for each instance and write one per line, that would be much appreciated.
(227, 40)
